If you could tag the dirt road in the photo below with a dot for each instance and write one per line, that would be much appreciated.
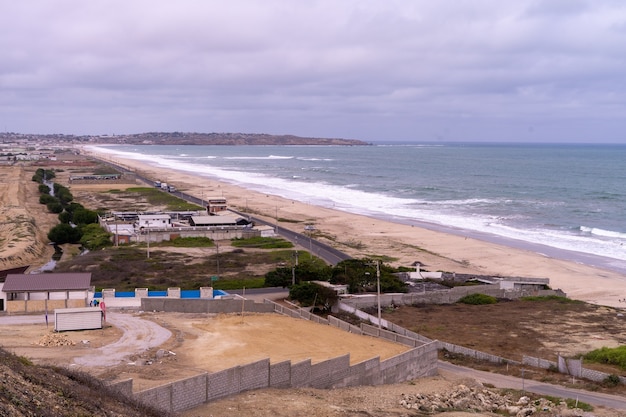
(138, 336)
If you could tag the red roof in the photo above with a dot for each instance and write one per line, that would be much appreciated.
(76, 281)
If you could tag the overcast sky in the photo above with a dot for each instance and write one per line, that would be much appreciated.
(404, 70)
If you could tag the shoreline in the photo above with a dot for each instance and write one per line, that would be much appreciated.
(433, 246)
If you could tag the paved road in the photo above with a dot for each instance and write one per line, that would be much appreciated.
(505, 381)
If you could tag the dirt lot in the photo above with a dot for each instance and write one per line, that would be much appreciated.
(198, 344)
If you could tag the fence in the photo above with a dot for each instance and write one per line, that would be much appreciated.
(571, 367)
(565, 366)
(420, 361)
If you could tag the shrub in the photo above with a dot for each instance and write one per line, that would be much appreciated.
(95, 237)
(612, 380)
(54, 207)
(611, 356)
(46, 199)
(478, 299)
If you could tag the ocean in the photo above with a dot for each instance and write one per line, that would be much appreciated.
(564, 201)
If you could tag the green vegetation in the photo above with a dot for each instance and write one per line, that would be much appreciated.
(156, 197)
(571, 403)
(262, 243)
(308, 269)
(73, 216)
(95, 237)
(361, 276)
(40, 174)
(560, 299)
(187, 242)
(612, 380)
(64, 233)
(610, 356)
(311, 294)
(478, 299)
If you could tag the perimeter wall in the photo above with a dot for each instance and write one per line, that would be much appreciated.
(420, 361)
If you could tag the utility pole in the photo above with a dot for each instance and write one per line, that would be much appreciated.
(293, 269)
(217, 257)
(378, 291)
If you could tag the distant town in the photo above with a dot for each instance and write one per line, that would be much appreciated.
(9, 139)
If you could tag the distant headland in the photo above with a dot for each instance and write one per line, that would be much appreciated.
(182, 138)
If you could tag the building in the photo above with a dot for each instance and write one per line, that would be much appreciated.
(28, 293)
(215, 204)
(154, 221)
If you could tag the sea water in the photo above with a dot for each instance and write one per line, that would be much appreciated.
(566, 201)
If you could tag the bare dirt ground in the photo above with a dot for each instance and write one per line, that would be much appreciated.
(23, 223)
(198, 343)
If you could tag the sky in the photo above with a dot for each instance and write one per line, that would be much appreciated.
(545, 71)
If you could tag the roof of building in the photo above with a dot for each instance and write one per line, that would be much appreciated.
(70, 281)
(18, 270)
(154, 217)
(214, 220)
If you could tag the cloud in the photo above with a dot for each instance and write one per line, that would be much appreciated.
(360, 69)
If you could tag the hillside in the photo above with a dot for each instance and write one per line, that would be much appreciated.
(30, 390)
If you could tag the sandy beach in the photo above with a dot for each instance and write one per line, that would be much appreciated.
(362, 236)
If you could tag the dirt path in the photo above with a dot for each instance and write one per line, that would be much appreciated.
(138, 336)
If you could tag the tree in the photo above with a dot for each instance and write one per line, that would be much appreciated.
(84, 216)
(312, 294)
(280, 277)
(64, 233)
(361, 276)
(54, 207)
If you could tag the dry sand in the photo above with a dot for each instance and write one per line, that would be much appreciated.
(362, 236)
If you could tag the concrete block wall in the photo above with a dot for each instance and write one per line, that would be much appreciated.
(255, 375)
(223, 383)
(581, 372)
(159, 397)
(346, 327)
(448, 296)
(325, 373)
(301, 374)
(199, 305)
(189, 393)
(280, 375)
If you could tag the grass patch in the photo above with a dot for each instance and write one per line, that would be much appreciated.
(156, 197)
(559, 299)
(262, 243)
(186, 242)
(610, 356)
(478, 299)
(238, 283)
